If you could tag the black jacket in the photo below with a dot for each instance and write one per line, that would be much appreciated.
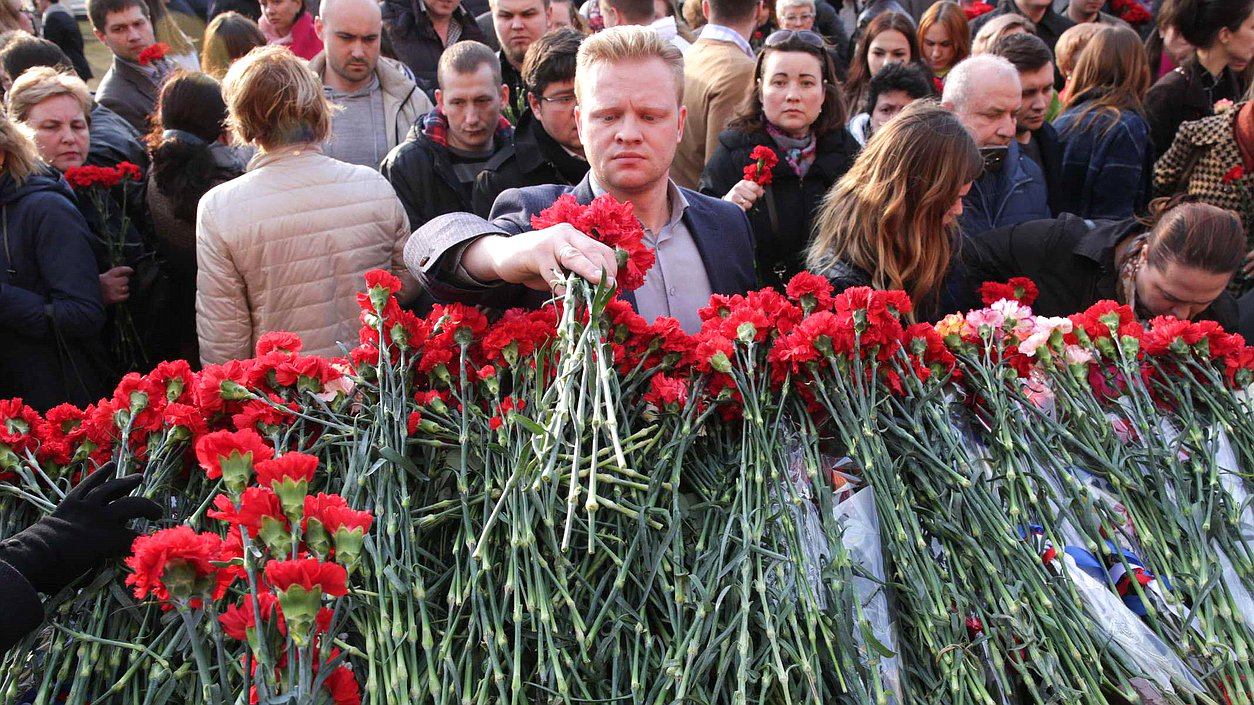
(535, 158)
(1071, 260)
(511, 77)
(413, 40)
(22, 611)
(1182, 96)
(1050, 148)
(61, 29)
(420, 171)
(781, 219)
(1049, 29)
(51, 312)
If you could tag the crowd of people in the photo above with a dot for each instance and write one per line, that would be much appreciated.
(1103, 149)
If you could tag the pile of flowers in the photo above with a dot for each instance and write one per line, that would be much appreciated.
(813, 499)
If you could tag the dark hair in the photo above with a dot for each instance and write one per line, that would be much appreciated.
(732, 10)
(831, 114)
(99, 10)
(466, 57)
(1199, 21)
(1027, 52)
(1196, 235)
(1111, 77)
(228, 38)
(911, 79)
(859, 71)
(25, 52)
(551, 59)
(634, 11)
(183, 168)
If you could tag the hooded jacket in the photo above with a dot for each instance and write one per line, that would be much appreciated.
(51, 311)
(403, 102)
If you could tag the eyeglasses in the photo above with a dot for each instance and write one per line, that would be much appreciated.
(563, 99)
(804, 36)
(798, 18)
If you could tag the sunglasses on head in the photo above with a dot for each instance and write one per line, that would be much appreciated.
(803, 36)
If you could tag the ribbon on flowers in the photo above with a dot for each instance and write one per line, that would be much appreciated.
(1122, 576)
(1035, 535)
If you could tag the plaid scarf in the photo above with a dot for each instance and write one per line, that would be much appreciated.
(435, 126)
(798, 153)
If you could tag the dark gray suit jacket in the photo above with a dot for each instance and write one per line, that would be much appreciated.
(720, 229)
(129, 92)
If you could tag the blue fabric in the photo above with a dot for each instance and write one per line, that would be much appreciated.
(1014, 194)
(1105, 172)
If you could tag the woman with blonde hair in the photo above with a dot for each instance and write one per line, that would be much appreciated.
(944, 37)
(998, 27)
(891, 222)
(1106, 150)
(52, 313)
(285, 246)
(227, 39)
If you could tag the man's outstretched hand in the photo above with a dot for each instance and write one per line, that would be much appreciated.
(537, 259)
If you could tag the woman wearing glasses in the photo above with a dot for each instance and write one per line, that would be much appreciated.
(891, 222)
(796, 110)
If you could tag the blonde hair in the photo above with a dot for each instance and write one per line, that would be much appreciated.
(274, 100)
(628, 43)
(997, 28)
(21, 157)
(1071, 43)
(888, 215)
(39, 83)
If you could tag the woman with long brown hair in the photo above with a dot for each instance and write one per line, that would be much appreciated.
(1106, 159)
(889, 38)
(891, 222)
(944, 37)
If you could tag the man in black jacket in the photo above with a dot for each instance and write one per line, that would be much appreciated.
(434, 169)
(88, 527)
(519, 23)
(1049, 24)
(61, 29)
(416, 32)
(546, 147)
(1037, 138)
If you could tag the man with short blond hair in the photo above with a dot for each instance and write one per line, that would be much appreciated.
(630, 123)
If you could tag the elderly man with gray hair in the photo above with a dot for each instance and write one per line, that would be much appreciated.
(984, 92)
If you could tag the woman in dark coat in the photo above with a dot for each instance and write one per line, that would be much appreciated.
(51, 311)
(797, 112)
(1223, 32)
(189, 157)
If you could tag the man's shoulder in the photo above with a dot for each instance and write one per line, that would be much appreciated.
(712, 212)
(530, 199)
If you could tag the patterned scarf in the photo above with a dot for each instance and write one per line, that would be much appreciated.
(1133, 260)
(799, 153)
(435, 126)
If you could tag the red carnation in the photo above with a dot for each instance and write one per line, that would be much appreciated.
(342, 685)
(975, 9)
(129, 172)
(812, 291)
(383, 279)
(176, 564)
(609, 222)
(255, 504)
(665, 390)
(89, 176)
(763, 159)
(297, 467)
(278, 341)
(154, 52)
(232, 454)
(1019, 289)
(309, 574)
(1233, 174)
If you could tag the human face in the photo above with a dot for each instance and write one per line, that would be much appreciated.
(889, 47)
(1088, 9)
(441, 9)
(796, 17)
(792, 90)
(555, 109)
(519, 23)
(350, 36)
(1178, 48)
(989, 112)
(127, 32)
(60, 129)
(661, 8)
(1177, 290)
(1037, 90)
(472, 103)
(630, 122)
(887, 105)
(281, 14)
(1239, 44)
(562, 15)
(1034, 9)
(955, 211)
(24, 21)
(938, 48)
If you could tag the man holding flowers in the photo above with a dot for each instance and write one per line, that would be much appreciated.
(630, 131)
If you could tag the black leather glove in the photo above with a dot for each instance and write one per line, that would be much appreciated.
(86, 529)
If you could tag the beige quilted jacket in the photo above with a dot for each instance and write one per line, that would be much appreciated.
(284, 247)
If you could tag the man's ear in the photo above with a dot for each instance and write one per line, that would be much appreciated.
(533, 102)
(505, 96)
(439, 100)
(318, 29)
(100, 36)
(683, 118)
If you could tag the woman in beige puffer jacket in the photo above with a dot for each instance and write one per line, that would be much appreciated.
(286, 245)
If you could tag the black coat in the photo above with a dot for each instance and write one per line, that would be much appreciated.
(21, 611)
(412, 40)
(1071, 260)
(781, 219)
(535, 158)
(61, 29)
(420, 171)
(1049, 29)
(1050, 147)
(1181, 96)
(51, 312)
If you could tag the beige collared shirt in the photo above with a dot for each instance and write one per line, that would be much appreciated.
(677, 285)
